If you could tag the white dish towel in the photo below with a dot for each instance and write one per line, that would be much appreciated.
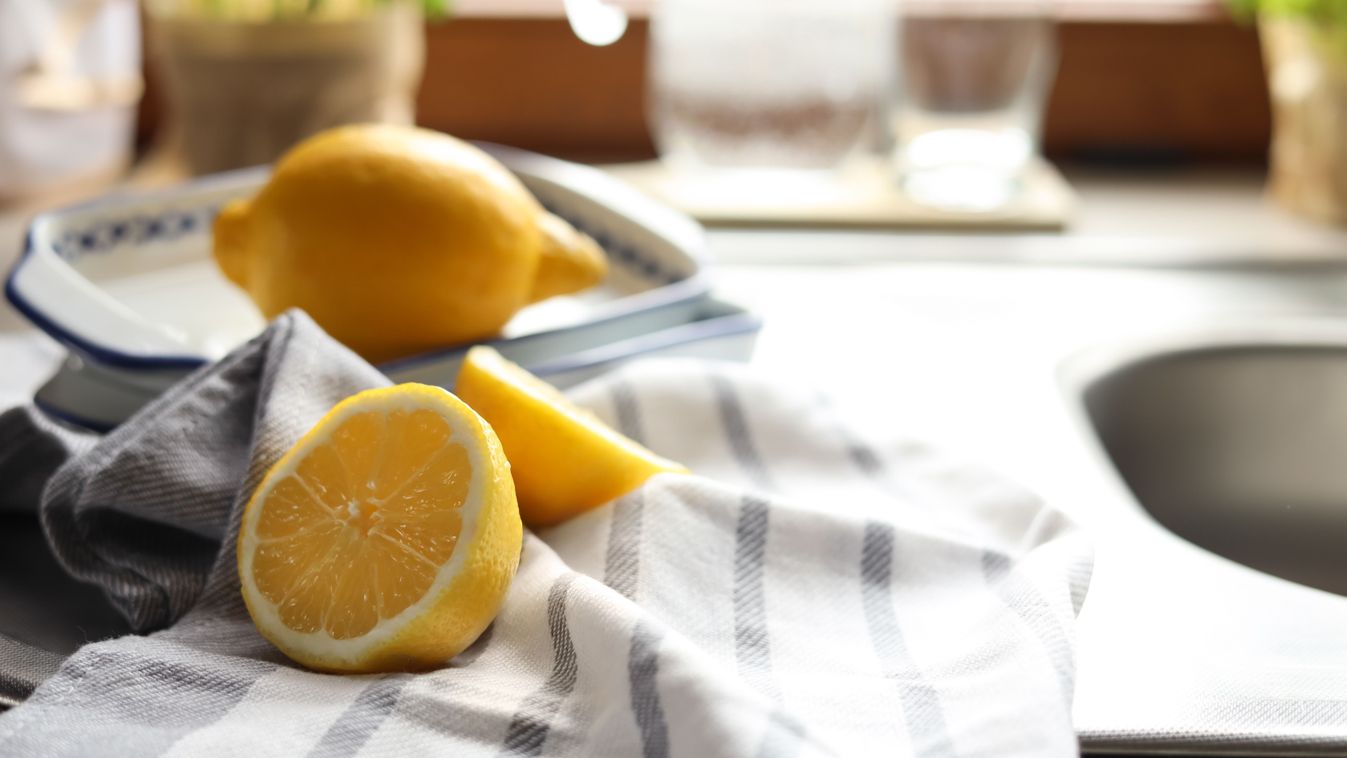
(805, 594)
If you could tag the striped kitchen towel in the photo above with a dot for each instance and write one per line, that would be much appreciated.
(806, 593)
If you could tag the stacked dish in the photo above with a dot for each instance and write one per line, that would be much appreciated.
(128, 285)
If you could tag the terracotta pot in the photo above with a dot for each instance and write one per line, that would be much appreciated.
(1307, 80)
(241, 93)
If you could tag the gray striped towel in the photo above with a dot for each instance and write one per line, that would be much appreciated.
(807, 593)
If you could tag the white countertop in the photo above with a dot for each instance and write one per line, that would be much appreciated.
(930, 335)
(933, 336)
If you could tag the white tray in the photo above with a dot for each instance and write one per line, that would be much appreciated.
(128, 285)
(128, 281)
(99, 397)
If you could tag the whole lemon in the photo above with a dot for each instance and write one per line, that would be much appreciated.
(398, 240)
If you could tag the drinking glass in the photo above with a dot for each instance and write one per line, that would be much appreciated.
(975, 75)
(790, 84)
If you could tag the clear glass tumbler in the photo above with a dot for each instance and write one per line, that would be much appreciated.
(975, 75)
(790, 84)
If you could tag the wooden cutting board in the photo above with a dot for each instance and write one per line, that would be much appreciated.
(866, 196)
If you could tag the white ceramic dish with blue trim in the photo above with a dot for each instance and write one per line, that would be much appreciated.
(128, 284)
(128, 281)
(100, 397)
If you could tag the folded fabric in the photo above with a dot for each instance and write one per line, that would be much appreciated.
(805, 593)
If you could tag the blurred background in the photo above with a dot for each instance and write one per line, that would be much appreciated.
(95, 92)
(1098, 244)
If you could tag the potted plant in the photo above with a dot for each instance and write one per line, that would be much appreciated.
(1305, 53)
(246, 79)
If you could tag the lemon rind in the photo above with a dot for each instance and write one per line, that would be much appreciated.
(319, 646)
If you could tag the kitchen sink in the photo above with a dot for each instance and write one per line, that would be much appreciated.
(1241, 450)
(1211, 467)
(1192, 419)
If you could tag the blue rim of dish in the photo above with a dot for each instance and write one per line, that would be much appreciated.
(70, 339)
(86, 347)
(732, 322)
(696, 291)
(690, 288)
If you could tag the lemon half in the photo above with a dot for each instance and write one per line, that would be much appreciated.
(386, 538)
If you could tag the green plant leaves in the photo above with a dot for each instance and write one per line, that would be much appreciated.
(1329, 12)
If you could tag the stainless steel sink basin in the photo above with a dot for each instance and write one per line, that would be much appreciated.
(1212, 469)
(1241, 450)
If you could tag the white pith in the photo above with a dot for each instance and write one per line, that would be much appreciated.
(320, 644)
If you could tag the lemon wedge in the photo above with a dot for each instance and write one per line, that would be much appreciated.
(565, 459)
